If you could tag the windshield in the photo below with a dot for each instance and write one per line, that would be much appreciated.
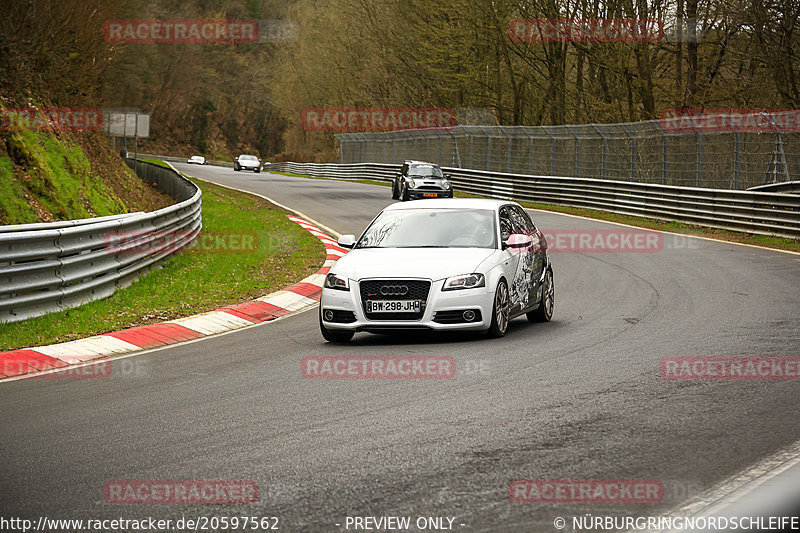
(425, 170)
(431, 228)
(248, 158)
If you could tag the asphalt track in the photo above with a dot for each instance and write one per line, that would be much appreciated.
(578, 398)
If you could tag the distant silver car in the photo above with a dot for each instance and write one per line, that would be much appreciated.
(247, 162)
(196, 160)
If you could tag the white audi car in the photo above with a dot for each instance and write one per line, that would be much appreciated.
(444, 264)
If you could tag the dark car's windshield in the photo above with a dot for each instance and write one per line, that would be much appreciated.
(431, 228)
(425, 170)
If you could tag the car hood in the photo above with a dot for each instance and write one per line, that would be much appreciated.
(431, 263)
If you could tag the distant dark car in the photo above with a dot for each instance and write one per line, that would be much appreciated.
(418, 179)
(247, 162)
(196, 160)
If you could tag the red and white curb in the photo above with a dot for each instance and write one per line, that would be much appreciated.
(297, 297)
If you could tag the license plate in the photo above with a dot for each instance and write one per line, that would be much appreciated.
(430, 194)
(393, 306)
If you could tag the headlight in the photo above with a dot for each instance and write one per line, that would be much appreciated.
(464, 281)
(411, 184)
(446, 184)
(332, 281)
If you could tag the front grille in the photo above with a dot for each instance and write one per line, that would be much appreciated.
(455, 317)
(371, 290)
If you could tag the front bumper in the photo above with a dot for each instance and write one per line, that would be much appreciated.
(415, 194)
(342, 303)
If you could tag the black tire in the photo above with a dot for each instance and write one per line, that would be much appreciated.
(500, 311)
(404, 194)
(395, 195)
(544, 313)
(236, 168)
(257, 171)
(335, 335)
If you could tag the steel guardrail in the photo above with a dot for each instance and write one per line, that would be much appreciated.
(55, 266)
(764, 213)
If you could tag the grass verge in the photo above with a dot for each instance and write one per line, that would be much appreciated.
(208, 276)
(765, 241)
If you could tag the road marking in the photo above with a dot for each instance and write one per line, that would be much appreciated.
(737, 486)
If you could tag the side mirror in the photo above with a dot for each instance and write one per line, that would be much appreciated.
(518, 241)
(448, 177)
(347, 241)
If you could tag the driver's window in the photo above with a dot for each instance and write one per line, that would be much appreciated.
(505, 224)
(520, 221)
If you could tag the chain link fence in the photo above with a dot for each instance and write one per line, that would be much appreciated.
(638, 151)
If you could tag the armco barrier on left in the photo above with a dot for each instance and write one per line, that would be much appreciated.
(53, 266)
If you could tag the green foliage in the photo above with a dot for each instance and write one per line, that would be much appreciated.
(13, 207)
(57, 175)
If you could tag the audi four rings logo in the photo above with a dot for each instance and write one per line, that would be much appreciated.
(394, 290)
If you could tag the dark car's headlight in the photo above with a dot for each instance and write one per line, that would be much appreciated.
(332, 281)
(411, 184)
(464, 281)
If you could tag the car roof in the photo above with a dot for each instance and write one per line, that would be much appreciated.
(449, 203)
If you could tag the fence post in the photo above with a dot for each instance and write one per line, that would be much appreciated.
(603, 153)
(456, 159)
(530, 153)
(736, 149)
(488, 152)
(508, 162)
(634, 151)
(427, 148)
(577, 152)
(470, 149)
(665, 150)
(699, 158)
